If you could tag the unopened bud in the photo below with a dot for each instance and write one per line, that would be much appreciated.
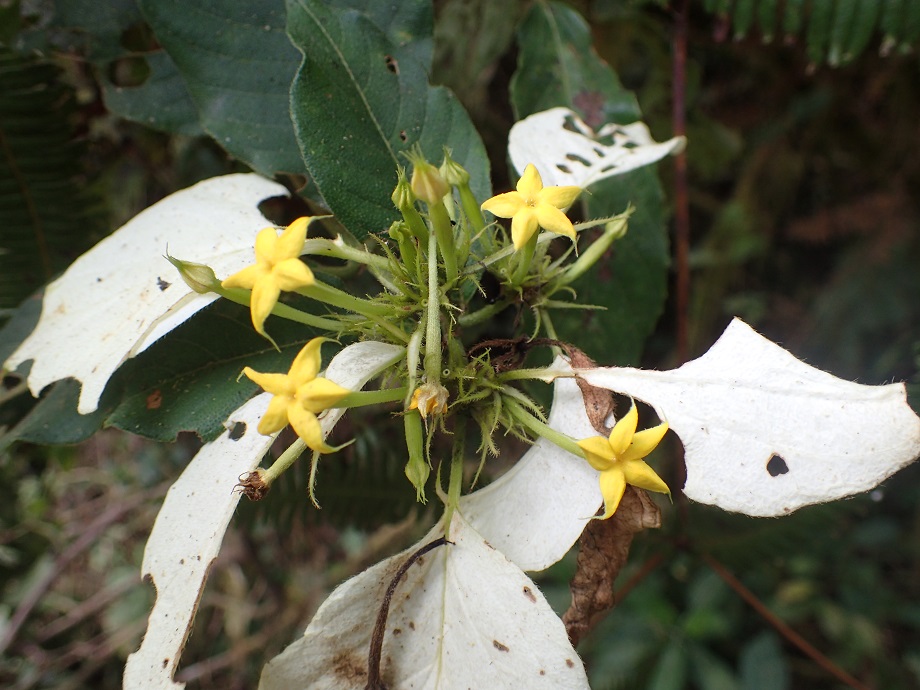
(452, 172)
(199, 277)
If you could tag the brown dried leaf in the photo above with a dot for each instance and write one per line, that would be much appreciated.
(603, 550)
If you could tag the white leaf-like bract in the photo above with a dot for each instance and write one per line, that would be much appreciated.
(196, 512)
(108, 305)
(566, 151)
(463, 616)
(538, 509)
(764, 433)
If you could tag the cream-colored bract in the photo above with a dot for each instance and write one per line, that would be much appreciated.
(462, 617)
(566, 151)
(122, 295)
(764, 433)
(191, 524)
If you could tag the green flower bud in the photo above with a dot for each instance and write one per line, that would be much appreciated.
(199, 277)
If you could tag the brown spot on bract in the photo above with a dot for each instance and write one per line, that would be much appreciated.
(165, 663)
(154, 400)
(528, 592)
(570, 663)
(397, 631)
(411, 625)
(499, 646)
(349, 668)
(542, 672)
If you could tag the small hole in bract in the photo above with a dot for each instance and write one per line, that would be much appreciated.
(776, 466)
(237, 431)
(403, 136)
(392, 64)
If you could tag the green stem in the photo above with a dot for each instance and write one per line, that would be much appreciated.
(433, 325)
(339, 250)
(455, 484)
(288, 457)
(484, 314)
(339, 298)
(364, 398)
(243, 297)
(535, 426)
(444, 232)
(525, 259)
(545, 374)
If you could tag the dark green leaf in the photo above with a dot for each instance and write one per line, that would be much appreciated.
(359, 99)
(557, 67)
(55, 420)
(843, 25)
(238, 65)
(742, 18)
(162, 101)
(104, 24)
(819, 29)
(763, 665)
(188, 380)
(793, 17)
(670, 672)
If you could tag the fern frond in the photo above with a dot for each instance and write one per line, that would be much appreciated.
(835, 32)
(45, 213)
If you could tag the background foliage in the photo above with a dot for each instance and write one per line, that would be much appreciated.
(803, 177)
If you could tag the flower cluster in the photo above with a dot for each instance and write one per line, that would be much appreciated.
(430, 304)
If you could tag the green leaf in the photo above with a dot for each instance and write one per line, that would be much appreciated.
(237, 64)
(743, 18)
(54, 419)
(670, 672)
(793, 17)
(709, 671)
(844, 18)
(558, 67)
(763, 665)
(190, 379)
(359, 99)
(103, 23)
(819, 29)
(162, 101)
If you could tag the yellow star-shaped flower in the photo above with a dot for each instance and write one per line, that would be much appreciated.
(533, 206)
(277, 268)
(299, 397)
(619, 459)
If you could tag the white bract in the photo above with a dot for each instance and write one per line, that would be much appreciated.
(464, 616)
(120, 296)
(566, 151)
(191, 524)
(538, 509)
(764, 433)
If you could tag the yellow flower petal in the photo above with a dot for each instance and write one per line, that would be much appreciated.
(266, 241)
(639, 474)
(523, 226)
(644, 442)
(598, 452)
(613, 485)
(293, 274)
(306, 364)
(320, 394)
(554, 220)
(560, 197)
(276, 416)
(308, 428)
(530, 183)
(245, 278)
(290, 244)
(624, 430)
(264, 297)
(504, 205)
(276, 384)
